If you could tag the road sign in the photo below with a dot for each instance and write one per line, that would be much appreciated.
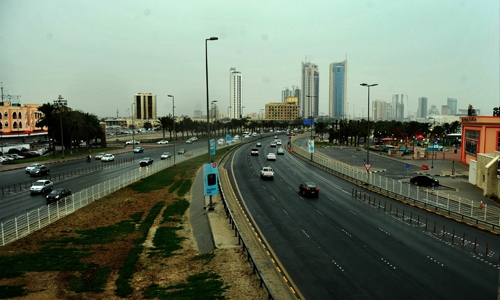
(407, 166)
(368, 166)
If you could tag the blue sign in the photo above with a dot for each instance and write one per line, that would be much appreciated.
(407, 166)
(308, 121)
(229, 139)
(213, 150)
(211, 179)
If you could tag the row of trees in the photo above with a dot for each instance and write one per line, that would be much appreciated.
(76, 125)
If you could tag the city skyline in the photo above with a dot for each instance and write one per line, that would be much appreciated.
(98, 54)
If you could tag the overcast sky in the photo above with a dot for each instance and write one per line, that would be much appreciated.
(97, 54)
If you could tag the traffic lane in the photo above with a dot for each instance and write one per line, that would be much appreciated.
(290, 200)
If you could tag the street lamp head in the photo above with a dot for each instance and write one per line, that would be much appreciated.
(364, 84)
(214, 38)
(170, 96)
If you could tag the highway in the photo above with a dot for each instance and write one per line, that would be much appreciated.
(333, 247)
(339, 247)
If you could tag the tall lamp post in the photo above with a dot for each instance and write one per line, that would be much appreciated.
(210, 207)
(214, 104)
(173, 121)
(60, 102)
(133, 128)
(368, 110)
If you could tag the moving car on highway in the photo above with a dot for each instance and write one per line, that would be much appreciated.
(308, 188)
(40, 171)
(108, 157)
(100, 155)
(41, 186)
(162, 142)
(146, 161)
(165, 155)
(271, 156)
(138, 150)
(132, 142)
(57, 195)
(424, 180)
(181, 151)
(254, 151)
(32, 166)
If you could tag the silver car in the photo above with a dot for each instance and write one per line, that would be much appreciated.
(32, 166)
(41, 186)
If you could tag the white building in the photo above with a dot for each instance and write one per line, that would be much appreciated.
(236, 109)
(309, 103)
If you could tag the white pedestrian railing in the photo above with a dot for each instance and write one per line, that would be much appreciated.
(440, 200)
(34, 220)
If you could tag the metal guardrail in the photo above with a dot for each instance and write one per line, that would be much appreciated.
(441, 201)
(34, 220)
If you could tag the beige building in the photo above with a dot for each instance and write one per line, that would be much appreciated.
(19, 119)
(144, 106)
(379, 110)
(283, 111)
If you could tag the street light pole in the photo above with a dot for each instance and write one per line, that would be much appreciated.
(173, 121)
(133, 129)
(210, 206)
(368, 110)
(59, 103)
(214, 103)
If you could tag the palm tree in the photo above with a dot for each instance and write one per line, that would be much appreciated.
(47, 120)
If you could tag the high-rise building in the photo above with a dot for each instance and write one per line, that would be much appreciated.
(338, 84)
(309, 103)
(398, 107)
(286, 93)
(145, 106)
(379, 110)
(422, 107)
(235, 94)
(452, 103)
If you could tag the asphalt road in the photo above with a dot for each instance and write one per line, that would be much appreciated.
(339, 247)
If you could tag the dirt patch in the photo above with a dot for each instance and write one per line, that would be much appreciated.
(228, 260)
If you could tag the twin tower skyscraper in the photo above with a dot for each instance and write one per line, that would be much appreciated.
(309, 98)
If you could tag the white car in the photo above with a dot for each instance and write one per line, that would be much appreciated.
(132, 142)
(165, 155)
(221, 142)
(271, 156)
(31, 167)
(162, 142)
(273, 144)
(41, 186)
(108, 157)
(278, 142)
(100, 155)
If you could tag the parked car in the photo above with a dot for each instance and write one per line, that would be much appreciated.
(221, 142)
(424, 180)
(108, 157)
(280, 151)
(32, 166)
(132, 142)
(100, 155)
(166, 155)
(254, 151)
(41, 186)
(138, 150)
(146, 161)
(181, 151)
(57, 195)
(162, 142)
(40, 171)
(271, 156)
(308, 188)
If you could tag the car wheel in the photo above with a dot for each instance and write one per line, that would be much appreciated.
(433, 184)
(415, 183)
(43, 191)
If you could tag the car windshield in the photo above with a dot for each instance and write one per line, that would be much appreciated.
(38, 183)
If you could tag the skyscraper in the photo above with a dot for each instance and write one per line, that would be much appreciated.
(235, 94)
(144, 106)
(309, 103)
(452, 103)
(422, 107)
(286, 93)
(338, 85)
(398, 106)
(379, 110)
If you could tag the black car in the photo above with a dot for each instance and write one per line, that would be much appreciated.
(40, 171)
(146, 161)
(57, 195)
(308, 188)
(424, 180)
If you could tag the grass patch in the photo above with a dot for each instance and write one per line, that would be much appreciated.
(101, 235)
(166, 241)
(175, 211)
(93, 279)
(175, 186)
(185, 187)
(156, 181)
(127, 271)
(199, 286)
(207, 257)
(47, 259)
(11, 291)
